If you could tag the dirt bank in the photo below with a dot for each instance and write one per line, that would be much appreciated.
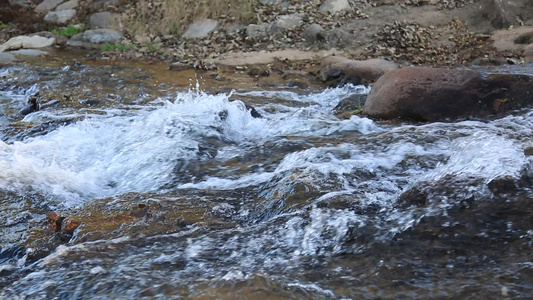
(293, 34)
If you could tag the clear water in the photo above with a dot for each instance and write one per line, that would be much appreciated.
(295, 205)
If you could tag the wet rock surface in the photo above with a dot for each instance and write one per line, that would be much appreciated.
(428, 94)
(345, 70)
(293, 194)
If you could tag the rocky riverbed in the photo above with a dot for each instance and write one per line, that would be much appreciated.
(284, 149)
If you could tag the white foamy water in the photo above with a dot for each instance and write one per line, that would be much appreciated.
(136, 150)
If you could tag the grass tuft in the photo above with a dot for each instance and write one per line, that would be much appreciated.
(118, 46)
(173, 16)
(69, 31)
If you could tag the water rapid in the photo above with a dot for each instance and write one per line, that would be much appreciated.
(295, 204)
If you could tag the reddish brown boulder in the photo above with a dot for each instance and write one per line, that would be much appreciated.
(431, 94)
(354, 71)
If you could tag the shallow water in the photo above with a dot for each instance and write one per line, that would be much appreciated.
(298, 204)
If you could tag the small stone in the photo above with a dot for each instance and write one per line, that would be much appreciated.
(201, 28)
(298, 84)
(254, 30)
(258, 71)
(335, 6)
(99, 36)
(314, 33)
(177, 66)
(528, 151)
(286, 22)
(142, 39)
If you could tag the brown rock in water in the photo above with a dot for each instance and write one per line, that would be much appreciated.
(431, 94)
(53, 223)
(141, 211)
(503, 184)
(354, 71)
(69, 225)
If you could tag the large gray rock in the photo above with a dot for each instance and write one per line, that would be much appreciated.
(504, 13)
(286, 22)
(201, 28)
(100, 36)
(61, 17)
(26, 42)
(105, 20)
(314, 33)
(335, 6)
(72, 4)
(354, 71)
(47, 5)
(430, 94)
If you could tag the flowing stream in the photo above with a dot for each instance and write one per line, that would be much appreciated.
(296, 204)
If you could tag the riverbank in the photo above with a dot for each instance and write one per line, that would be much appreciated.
(289, 35)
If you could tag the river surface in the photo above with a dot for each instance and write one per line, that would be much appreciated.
(297, 204)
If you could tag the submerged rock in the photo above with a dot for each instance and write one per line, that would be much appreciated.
(29, 52)
(34, 104)
(354, 71)
(7, 58)
(432, 94)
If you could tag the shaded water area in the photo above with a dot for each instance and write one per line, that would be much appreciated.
(183, 194)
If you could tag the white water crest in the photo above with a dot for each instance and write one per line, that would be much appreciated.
(136, 150)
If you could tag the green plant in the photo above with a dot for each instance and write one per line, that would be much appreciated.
(3, 26)
(68, 31)
(152, 48)
(118, 46)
